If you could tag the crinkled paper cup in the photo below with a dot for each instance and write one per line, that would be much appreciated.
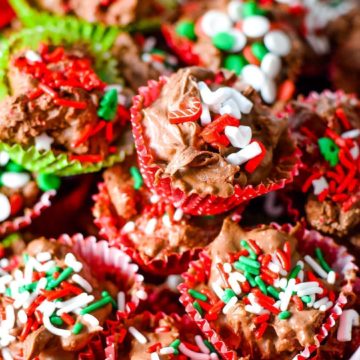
(339, 259)
(285, 167)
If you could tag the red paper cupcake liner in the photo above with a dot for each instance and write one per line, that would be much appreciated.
(339, 258)
(110, 262)
(182, 47)
(29, 215)
(107, 221)
(193, 204)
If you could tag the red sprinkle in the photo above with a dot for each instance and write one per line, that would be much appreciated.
(261, 318)
(285, 263)
(52, 295)
(260, 331)
(343, 118)
(72, 288)
(299, 304)
(68, 319)
(81, 105)
(26, 329)
(266, 260)
(86, 158)
(254, 246)
(48, 90)
(162, 329)
(153, 348)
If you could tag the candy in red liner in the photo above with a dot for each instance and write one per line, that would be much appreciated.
(158, 237)
(182, 169)
(250, 311)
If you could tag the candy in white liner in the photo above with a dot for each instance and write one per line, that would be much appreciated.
(151, 226)
(326, 307)
(315, 266)
(32, 56)
(245, 154)
(43, 142)
(205, 117)
(231, 303)
(320, 302)
(351, 134)
(137, 335)
(348, 319)
(121, 300)
(310, 291)
(154, 356)
(240, 40)
(234, 10)
(214, 98)
(320, 185)
(4, 158)
(238, 136)
(245, 105)
(15, 180)
(82, 282)
(355, 151)
(201, 345)
(287, 295)
(255, 26)
(230, 107)
(22, 317)
(43, 256)
(268, 90)
(331, 278)
(271, 65)
(167, 350)
(192, 354)
(278, 42)
(70, 260)
(253, 76)
(91, 320)
(178, 214)
(214, 22)
(128, 227)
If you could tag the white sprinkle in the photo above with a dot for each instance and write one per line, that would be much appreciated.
(234, 10)
(70, 260)
(305, 285)
(15, 180)
(355, 151)
(151, 226)
(167, 350)
(255, 309)
(268, 90)
(4, 158)
(239, 136)
(331, 278)
(247, 153)
(214, 22)
(91, 320)
(21, 299)
(310, 291)
(205, 117)
(9, 323)
(43, 256)
(315, 266)
(4, 280)
(121, 301)
(154, 198)
(230, 107)
(253, 76)
(233, 282)
(192, 354)
(82, 282)
(201, 345)
(214, 98)
(154, 356)
(301, 275)
(348, 319)
(137, 335)
(54, 330)
(320, 185)
(74, 303)
(128, 227)
(278, 42)
(326, 307)
(351, 134)
(283, 283)
(274, 267)
(300, 263)
(271, 65)
(227, 267)
(43, 142)
(178, 214)
(173, 282)
(255, 26)
(311, 303)
(355, 356)
(287, 295)
(141, 294)
(214, 356)
(230, 304)
(32, 56)
(22, 317)
(320, 302)
(240, 40)
(217, 289)
(166, 221)
(6, 354)
(245, 105)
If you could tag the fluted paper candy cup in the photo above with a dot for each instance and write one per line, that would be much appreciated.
(110, 227)
(339, 260)
(284, 168)
(110, 263)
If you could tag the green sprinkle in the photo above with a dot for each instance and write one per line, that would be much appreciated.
(329, 150)
(108, 105)
(295, 271)
(107, 294)
(56, 320)
(273, 292)
(96, 305)
(246, 246)
(209, 345)
(228, 294)
(53, 270)
(259, 50)
(175, 344)
(8, 292)
(63, 276)
(235, 63)
(247, 261)
(250, 279)
(186, 29)
(320, 256)
(284, 315)
(77, 328)
(260, 283)
(25, 258)
(197, 295)
(13, 167)
(136, 175)
(306, 299)
(198, 308)
(246, 268)
(224, 41)
(48, 182)
(10, 239)
(250, 8)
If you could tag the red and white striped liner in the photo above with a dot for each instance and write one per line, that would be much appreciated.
(340, 260)
(194, 204)
(22, 221)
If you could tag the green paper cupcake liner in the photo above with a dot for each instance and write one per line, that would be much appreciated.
(47, 162)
